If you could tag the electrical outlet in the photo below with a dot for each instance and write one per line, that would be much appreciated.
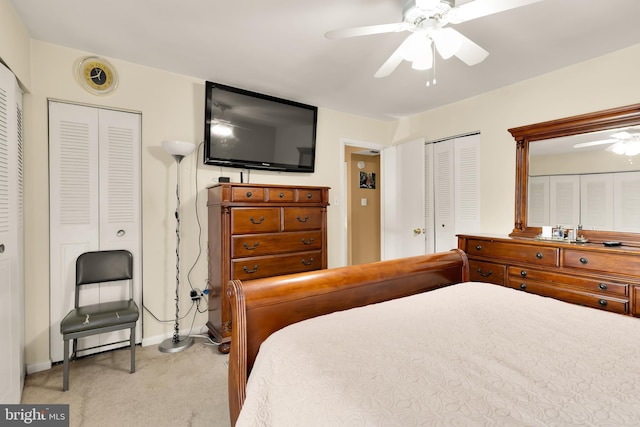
(195, 296)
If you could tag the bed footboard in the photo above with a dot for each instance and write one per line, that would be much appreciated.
(263, 306)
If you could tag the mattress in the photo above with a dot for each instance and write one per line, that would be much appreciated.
(471, 354)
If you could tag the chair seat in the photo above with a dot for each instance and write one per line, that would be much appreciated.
(97, 316)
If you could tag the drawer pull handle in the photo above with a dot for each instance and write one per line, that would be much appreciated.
(523, 286)
(246, 270)
(253, 221)
(523, 273)
(603, 286)
(281, 195)
(487, 274)
(305, 262)
(602, 302)
(584, 260)
(309, 195)
(305, 219)
(539, 255)
(251, 248)
(478, 247)
(249, 194)
(308, 242)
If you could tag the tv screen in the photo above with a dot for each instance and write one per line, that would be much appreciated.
(249, 130)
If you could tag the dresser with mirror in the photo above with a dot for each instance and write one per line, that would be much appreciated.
(580, 173)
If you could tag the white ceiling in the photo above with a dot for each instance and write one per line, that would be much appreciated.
(278, 47)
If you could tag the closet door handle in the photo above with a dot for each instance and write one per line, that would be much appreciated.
(1, 248)
(120, 233)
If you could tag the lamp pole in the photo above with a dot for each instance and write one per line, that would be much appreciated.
(175, 343)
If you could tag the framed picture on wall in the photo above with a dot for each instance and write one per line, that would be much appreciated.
(368, 180)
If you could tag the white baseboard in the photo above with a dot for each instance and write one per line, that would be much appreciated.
(32, 368)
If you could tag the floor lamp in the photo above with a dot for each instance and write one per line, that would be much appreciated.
(177, 149)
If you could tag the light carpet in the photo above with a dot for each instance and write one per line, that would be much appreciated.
(188, 388)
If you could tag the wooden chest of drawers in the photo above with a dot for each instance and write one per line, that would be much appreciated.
(260, 231)
(586, 274)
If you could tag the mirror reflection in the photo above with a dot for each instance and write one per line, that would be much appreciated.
(590, 179)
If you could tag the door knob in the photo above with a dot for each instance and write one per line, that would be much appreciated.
(417, 231)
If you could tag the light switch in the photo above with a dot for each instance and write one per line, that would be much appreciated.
(363, 201)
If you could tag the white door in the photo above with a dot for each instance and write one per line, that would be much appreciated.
(596, 201)
(11, 240)
(429, 210)
(409, 226)
(626, 202)
(94, 157)
(564, 200)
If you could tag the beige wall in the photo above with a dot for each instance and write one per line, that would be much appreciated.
(172, 108)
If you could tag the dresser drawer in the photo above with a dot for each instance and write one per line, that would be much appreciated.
(539, 255)
(309, 195)
(482, 271)
(281, 195)
(247, 194)
(267, 266)
(302, 219)
(607, 303)
(247, 245)
(583, 283)
(255, 220)
(600, 261)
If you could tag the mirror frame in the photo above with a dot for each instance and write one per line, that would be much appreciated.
(601, 120)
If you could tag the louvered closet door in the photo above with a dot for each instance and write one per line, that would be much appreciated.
(11, 240)
(94, 157)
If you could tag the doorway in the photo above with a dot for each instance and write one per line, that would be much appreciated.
(362, 202)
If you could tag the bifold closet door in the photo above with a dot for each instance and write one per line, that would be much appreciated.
(94, 190)
(11, 240)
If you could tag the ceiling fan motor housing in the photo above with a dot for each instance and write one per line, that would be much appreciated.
(416, 11)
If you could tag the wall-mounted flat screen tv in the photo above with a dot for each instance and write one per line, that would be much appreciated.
(249, 130)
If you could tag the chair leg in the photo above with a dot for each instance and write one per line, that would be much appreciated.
(132, 338)
(65, 370)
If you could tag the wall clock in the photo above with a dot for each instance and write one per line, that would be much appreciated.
(97, 75)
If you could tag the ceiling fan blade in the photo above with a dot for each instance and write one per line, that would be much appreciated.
(593, 143)
(479, 8)
(392, 62)
(365, 31)
(469, 52)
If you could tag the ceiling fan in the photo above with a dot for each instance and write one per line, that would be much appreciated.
(623, 142)
(427, 22)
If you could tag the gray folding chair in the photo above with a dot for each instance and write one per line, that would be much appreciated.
(82, 321)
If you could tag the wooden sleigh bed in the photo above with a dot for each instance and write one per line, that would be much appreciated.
(412, 342)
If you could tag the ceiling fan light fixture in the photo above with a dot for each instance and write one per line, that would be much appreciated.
(424, 62)
(416, 45)
(447, 41)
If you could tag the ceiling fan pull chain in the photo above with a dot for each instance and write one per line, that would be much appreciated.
(433, 52)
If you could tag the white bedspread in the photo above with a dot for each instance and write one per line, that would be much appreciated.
(466, 355)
